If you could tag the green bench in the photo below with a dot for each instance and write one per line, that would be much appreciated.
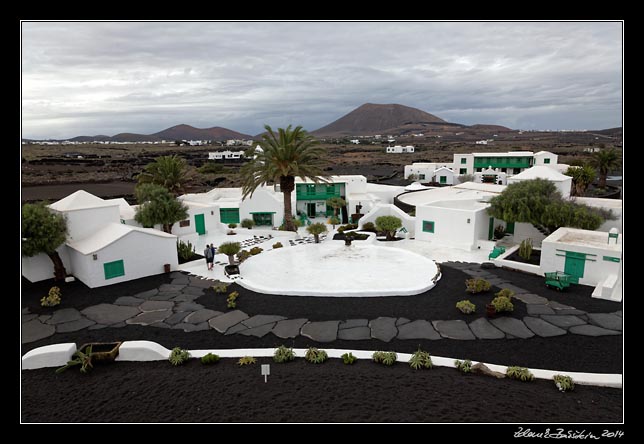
(498, 251)
(557, 279)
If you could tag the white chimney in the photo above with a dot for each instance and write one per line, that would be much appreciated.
(612, 236)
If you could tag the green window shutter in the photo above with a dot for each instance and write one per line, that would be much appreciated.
(428, 226)
(463, 160)
(421, 177)
(114, 269)
(443, 179)
(462, 171)
(229, 215)
(546, 161)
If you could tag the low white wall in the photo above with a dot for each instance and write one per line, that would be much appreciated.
(524, 231)
(40, 267)
(142, 254)
(409, 222)
(529, 268)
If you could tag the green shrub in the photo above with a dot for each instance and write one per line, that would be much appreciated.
(277, 245)
(464, 366)
(283, 354)
(501, 303)
(334, 220)
(178, 356)
(477, 285)
(232, 299)
(84, 359)
(209, 359)
(420, 359)
(466, 306)
(315, 356)
(564, 383)
(246, 360)
(256, 250)
(369, 226)
(525, 249)
(348, 358)
(248, 223)
(520, 373)
(232, 226)
(52, 299)
(184, 250)
(505, 293)
(220, 287)
(385, 358)
(243, 255)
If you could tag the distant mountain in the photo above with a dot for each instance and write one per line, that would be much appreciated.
(178, 132)
(371, 118)
(496, 128)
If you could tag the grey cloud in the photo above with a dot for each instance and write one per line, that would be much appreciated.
(88, 78)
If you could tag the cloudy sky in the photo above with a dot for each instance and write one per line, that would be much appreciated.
(106, 78)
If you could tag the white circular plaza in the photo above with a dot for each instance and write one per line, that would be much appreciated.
(333, 269)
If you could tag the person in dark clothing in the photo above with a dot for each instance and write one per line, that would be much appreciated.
(210, 257)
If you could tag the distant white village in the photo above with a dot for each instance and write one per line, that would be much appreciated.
(105, 245)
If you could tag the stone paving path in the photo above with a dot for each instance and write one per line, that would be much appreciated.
(172, 306)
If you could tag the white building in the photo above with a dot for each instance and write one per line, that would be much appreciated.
(397, 149)
(481, 142)
(226, 155)
(425, 172)
(100, 248)
(589, 257)
(561, 181)
(355, 141)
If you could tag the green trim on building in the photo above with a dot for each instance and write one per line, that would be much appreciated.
(509, 227)
(229, 215)
(463, 160)
(546, 161)
(611, 259)
(261, 212)
(317, 191)
(114, 269)
(200, 224)
(263, 218)
(442, 179)
(428, 226)
(502, 162)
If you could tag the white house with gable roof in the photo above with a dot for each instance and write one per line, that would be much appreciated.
(101, 249)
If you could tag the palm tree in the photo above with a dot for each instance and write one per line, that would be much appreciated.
(285, 155)
(171, 172)
(605, 161)
(316, 229)
(230, 249)
(336, 203)
(582, 177)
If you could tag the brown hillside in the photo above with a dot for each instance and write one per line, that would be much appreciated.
(188, 132)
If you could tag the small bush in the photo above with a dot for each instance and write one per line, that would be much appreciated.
(277, 245)
(220, 287)
(84, 359)
(464, 366)
(525, 249)
(243, 255)
(385, 358)
(520, 373)
(246, 360)
(564, 383)
(348, 358)
(209, 359)
(256, 250)
(184, 250)
(420, 359)
(283, 354)
(466, 307)
(477, 285)
(334, 220)
(232, 299)
(505, 293)
(178, 356)
(315, 356)
(52, 299)
(501, 303)
(248, 223)
(369, 226)
(232, 226)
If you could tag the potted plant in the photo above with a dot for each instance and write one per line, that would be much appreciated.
(490, 311)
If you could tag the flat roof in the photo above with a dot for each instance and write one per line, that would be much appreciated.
(464, 191)
(460, 204)
(509, 153)
(584, 238)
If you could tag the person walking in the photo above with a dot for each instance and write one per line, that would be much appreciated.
(209, 257)
(213, 249)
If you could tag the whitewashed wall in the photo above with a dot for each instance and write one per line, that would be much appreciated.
(40, 267)
(83, 223)
(142, 254)
(409, 222)
(451, 227)
(265, 201)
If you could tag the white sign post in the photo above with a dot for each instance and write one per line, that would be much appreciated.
(266, 370)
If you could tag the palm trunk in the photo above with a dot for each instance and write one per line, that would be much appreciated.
(231, 259)
(59, 268)
(390, 236)
(287, 185)
(317, 238)
(602, 180)
(168, 228)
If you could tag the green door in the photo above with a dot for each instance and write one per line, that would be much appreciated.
(263, 219)
(114, 269)
(509, 227)
(200, 224)
(310, 209)
(442, 179)
(574, 265)
(490, 230)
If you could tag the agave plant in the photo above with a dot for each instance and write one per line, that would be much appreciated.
(84, 359)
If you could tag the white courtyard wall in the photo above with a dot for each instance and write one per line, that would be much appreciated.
(409, 222)
(40, 267)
